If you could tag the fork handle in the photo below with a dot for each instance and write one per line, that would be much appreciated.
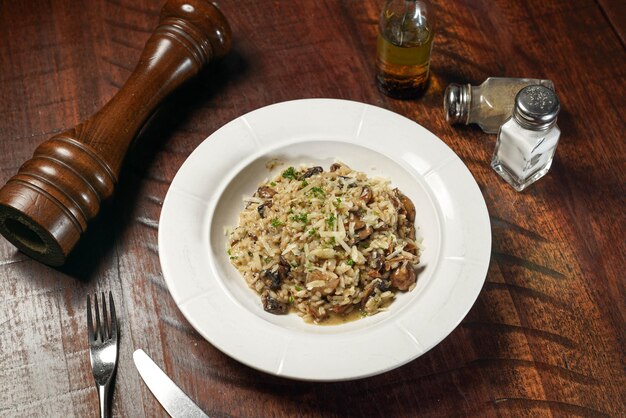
(103, 395)
(46, 206)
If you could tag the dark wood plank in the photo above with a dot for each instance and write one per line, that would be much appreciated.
(615, 12)
(546, 335)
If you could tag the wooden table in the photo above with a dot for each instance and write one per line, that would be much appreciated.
(547, 334)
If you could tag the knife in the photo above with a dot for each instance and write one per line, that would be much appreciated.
(173, 399)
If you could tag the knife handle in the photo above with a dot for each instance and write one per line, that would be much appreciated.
(46, 206)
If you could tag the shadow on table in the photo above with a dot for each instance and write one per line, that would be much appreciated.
(440, 383)
(96, 247)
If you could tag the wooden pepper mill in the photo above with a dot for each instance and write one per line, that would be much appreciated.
(46, 206)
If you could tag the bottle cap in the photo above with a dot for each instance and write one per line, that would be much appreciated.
(456, 103)
(536, 108)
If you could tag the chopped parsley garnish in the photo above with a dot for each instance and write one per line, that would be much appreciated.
(228, 251)
(298, 288)
(363, 314)
(303, 217)
(350, 262)
(337, 202)
(273, 183)
(312, 231)
(291, 299)
(318, 192)
(331, 220)
(332, 241)
(304, 184)
(232, 257)
(267, 260)
(290, 173)
(276, 223)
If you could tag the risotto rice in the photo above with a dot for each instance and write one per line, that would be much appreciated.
(326, 244)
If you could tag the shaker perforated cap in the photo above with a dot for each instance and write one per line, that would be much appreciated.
(456, 103)
(536, 108)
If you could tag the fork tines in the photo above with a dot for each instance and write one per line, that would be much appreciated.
(105, 329)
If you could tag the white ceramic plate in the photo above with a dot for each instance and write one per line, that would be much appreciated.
(206, 195)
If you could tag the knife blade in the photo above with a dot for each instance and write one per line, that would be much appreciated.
(171, 397)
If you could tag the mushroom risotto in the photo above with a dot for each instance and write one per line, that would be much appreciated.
(326, 244)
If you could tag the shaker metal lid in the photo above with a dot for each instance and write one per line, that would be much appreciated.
(456, 103)
(536, 107)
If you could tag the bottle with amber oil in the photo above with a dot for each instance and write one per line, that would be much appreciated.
(403, 51)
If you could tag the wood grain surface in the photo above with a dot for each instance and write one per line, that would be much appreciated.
(47, 205)
(547, 334)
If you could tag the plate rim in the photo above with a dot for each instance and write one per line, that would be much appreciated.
(219, 190)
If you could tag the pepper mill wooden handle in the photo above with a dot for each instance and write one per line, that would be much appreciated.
(46, 206)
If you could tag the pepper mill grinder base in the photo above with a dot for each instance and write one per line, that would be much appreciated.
(37, 225)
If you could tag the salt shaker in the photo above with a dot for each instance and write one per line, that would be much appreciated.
(489, 105)
(527, 140)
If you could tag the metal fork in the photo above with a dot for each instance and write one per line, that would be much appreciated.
(103, 349)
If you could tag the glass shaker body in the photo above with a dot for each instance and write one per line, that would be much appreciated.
(403, 48)
(527, 140)
(488, 105)
(522, 156)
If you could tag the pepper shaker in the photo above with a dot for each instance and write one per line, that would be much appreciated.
(489, 105)
(527, 140)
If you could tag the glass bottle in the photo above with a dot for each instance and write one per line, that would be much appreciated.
(487, 105)
(527, 141)
(403, 49)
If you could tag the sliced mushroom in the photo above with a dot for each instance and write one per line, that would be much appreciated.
(274, 306)
(363, 234)
(358, 224)
(411, 233)
(407, 206)
(271, 279)
(410, 247)
(374, 274)
(265, 192)
(315, 313)
(261, 208)
(395, 202)
(284, 268)
(340, 309)
(311, 172)
(396, 259)
(282, 261)
(366, 195)
(403, 277)
(376, 260)
(369, 289)
(335, 166)
(361, 230)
